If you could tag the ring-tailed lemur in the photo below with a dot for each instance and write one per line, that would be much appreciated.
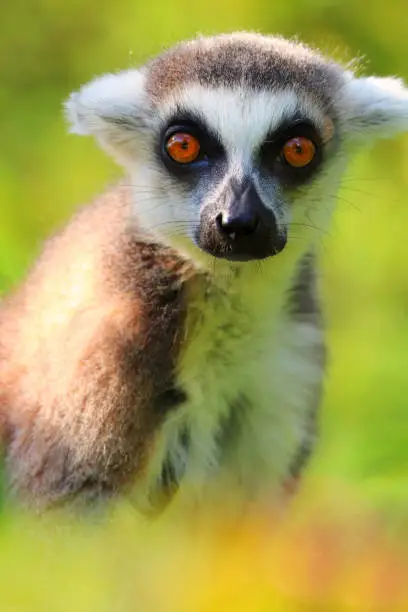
(168, 342)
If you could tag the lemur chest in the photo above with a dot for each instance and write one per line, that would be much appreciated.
(220, 348)
(233, 427)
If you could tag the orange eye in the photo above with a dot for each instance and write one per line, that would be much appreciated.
(299, 152)
(183, 147)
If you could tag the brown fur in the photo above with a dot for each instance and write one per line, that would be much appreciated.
(85, 379)
(81, 368)
(259, 62)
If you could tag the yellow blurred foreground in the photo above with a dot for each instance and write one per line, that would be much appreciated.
(326, 555)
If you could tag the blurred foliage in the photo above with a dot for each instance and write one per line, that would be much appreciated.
(336, 560)
(50, 47)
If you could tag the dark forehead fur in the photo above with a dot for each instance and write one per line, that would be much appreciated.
(255, 61)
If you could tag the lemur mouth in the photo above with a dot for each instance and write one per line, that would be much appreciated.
(242, 252)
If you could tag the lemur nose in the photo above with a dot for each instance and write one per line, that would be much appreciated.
(241, 215)
(234, 226)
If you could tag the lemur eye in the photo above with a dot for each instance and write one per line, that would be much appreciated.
(298, 152)
(183, 147)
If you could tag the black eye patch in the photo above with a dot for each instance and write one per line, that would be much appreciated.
(273, 156)
(211, 148)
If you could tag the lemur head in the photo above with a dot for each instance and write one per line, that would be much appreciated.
(236, 144)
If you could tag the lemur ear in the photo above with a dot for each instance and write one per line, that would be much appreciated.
(375, 107)
(108, 103)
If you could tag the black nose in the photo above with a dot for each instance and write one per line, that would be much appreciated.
(241, 216)
(241, 227)
(234, 226)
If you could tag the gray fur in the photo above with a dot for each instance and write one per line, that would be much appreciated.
(249, 60)
(304, 305)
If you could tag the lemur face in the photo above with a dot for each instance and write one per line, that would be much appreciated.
(235, 163)
(235, 145)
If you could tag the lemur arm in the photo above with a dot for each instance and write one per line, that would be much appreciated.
(85, 378)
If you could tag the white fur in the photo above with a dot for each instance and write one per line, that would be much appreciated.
(239, 343)
(241, 117)
(366, 107)
(108, 97)
(111, 108)
(378, 105)
(373, 107)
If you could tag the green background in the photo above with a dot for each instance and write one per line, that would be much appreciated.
(49, 47)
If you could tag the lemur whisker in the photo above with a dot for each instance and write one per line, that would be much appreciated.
(359, 179)
(307, 225)
(340, 198)
(186, 225)
(374, 196)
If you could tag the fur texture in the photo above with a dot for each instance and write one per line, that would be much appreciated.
(135, 361)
